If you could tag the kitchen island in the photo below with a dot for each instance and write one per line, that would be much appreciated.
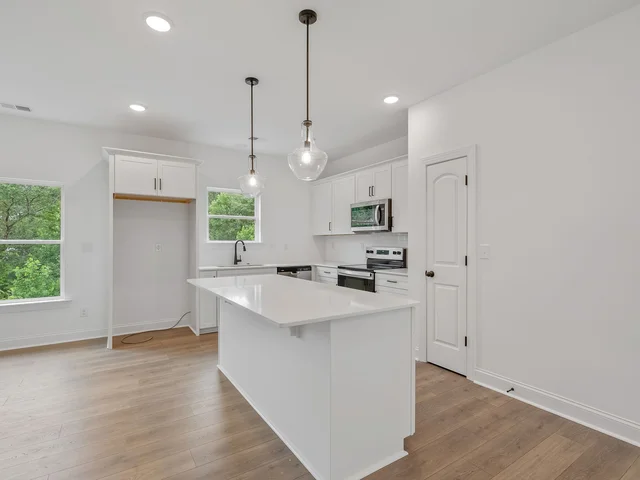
(330, 369)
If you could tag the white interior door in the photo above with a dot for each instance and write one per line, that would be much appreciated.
(176, 179)
(446, 253)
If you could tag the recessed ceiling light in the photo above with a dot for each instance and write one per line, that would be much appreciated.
(136, 107)
(391, 99)
(158, 22)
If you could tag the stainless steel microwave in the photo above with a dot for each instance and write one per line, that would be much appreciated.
(371, 216)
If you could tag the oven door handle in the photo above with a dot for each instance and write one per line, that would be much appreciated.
(351, 273)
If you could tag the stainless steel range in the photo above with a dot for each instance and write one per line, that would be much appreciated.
(363, 277)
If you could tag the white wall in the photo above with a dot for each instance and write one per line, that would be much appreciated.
(40, 150)
(286, 234)
(349, 249)
(379, 153)
(558, 169)
(150, 288)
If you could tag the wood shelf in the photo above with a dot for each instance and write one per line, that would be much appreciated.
(150, 198)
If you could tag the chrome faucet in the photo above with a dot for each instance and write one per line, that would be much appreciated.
(237, 259)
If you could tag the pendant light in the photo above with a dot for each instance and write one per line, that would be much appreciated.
(252, 183)
(307, 162)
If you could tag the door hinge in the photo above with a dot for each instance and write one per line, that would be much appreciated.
(466, 179)
(465, 341)
(465, 260)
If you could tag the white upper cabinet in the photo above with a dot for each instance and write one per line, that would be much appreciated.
(158, 178)
(343, 196)
(176, 179)
(382, 182)
(400, 196)
(373, 183)
(331, 199)
(364, 182)
(136, 176)
(321, 208)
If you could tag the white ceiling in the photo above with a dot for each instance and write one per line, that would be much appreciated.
(84, 61)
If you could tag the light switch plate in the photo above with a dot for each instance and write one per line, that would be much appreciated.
(485, 251)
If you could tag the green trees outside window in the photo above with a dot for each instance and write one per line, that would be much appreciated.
(30, 241)
(232, 216)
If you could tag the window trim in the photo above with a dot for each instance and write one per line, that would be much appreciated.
(41, 300)
(257, 208)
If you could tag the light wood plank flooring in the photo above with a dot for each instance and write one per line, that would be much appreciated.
(162, 410)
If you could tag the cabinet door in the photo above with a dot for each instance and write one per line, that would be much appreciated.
(241, 272)
(207, 305)
(382, 182)
(321, 206)
(136, 176)
(343, 197)
(400, 196)
(364, 182)
(176, 179)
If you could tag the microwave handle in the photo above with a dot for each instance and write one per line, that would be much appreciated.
(378, 215)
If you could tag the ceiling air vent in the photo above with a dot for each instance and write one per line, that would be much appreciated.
(22, 108)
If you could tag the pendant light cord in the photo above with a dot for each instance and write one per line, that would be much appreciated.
(307, 70)
(252, 155)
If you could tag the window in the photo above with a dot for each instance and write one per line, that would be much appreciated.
(30, 240)
(232, 216)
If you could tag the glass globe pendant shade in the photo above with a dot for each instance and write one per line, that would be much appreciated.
(251, 184)
(307, 162)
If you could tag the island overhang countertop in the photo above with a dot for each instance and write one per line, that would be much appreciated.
(291, 302)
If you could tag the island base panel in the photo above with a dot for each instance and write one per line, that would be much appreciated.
(339, 395)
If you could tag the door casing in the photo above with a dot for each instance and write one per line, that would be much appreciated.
(472, 261)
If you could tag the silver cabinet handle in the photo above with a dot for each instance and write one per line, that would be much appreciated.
(392, 281)
(328, 273)
(155, 183)
(329, 226)
(373, 190)
(161, 184)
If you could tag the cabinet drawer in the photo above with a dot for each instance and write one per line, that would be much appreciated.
(208, 274)
(327, 272)
(392, 281)
(393, 291)
(327, 280)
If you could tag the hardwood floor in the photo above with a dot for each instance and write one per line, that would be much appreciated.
(162, 410)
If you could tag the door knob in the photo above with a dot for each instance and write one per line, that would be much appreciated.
(430, 273)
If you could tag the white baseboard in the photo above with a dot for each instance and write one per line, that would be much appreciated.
(77, 335)
(607, 423)
(374, 468)
(146, 326)
(284, 439)
(51, 339)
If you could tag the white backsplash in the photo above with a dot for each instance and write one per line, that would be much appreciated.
(350, 248)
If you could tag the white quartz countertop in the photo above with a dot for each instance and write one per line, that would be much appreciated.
(291, 302)
(243, 266)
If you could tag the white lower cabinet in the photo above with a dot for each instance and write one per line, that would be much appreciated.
(328, 275)
(208, 304)
(239, 271)
(393, 284)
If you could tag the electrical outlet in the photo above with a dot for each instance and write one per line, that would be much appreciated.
(84, 312)
(158, 247)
